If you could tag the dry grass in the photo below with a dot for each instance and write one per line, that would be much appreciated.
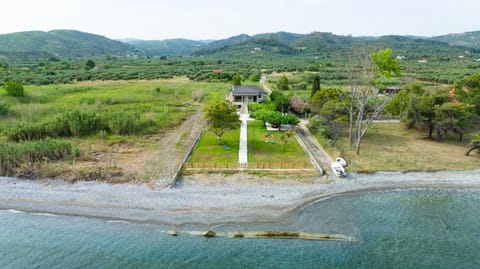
(390, 147)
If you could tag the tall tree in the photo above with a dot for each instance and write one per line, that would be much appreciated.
(398, 105)
(89, 64)
(467, 91)
(283, 84)
(420, 111)
(237, 80)
(316, 85)
(221, 116)
(280, 100)
(363, 104)
(455, 117)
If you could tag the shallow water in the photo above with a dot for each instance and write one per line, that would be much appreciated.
(397, 229)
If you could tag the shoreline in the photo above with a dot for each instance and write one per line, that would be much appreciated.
(235, 199)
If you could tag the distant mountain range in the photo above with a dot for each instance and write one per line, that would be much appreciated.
(468, 39)
(60, 44)
(173, 47)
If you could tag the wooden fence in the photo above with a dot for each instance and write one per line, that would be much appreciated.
(251, 166)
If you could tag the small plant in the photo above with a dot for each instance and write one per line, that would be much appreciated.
(5, 110)
(103, 134)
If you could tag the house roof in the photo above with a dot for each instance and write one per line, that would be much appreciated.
(247, 90)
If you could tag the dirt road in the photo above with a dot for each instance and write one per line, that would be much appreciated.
(316, 150)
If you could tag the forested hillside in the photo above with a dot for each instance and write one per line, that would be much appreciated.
(468, 39)
(174, 47)
(58, 44)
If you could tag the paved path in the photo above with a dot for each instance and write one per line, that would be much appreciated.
(312, 145)
(243, 150)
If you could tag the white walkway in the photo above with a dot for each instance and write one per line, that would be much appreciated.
(243, 150)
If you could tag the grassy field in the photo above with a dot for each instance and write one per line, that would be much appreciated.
(391, 147)
(160, 105)
(167, 102)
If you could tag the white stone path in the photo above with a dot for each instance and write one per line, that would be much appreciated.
(243, 150)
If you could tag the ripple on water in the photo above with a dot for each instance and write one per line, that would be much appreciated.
(395, 229)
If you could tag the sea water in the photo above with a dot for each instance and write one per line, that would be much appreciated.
(395, 229)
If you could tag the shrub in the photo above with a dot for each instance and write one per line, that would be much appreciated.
(47, 149)
(73, 123)
(121, 122)
(27, 131)
(13, 155)
(5, 110)
(80, 123)
(9, 159)
(14, 89)
(290, 119)
(315, 123)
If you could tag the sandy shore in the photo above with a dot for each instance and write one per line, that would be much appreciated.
(219, 200)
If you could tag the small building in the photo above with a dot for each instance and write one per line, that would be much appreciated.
(244, 94)
(392, 90)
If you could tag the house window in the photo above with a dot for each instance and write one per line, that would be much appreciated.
(238, 99)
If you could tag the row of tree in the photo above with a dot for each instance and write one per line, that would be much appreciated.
(438, 113)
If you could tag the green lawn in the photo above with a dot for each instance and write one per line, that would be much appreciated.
(261, 149)
(209, 151)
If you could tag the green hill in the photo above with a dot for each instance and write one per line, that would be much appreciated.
(329, 46)
(60, 44)
(222, 44)
(468, 39)
(174, 47)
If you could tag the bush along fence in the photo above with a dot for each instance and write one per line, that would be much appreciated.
(300, 166)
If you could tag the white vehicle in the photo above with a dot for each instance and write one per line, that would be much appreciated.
(341, 161)
(338, 169)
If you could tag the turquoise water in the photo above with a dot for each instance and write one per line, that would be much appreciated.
(398, 229)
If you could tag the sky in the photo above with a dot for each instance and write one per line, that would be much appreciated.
(217, 19)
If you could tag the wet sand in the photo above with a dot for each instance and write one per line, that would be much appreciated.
(210, 202)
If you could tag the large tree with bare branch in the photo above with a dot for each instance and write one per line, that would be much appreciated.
(362, 102)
